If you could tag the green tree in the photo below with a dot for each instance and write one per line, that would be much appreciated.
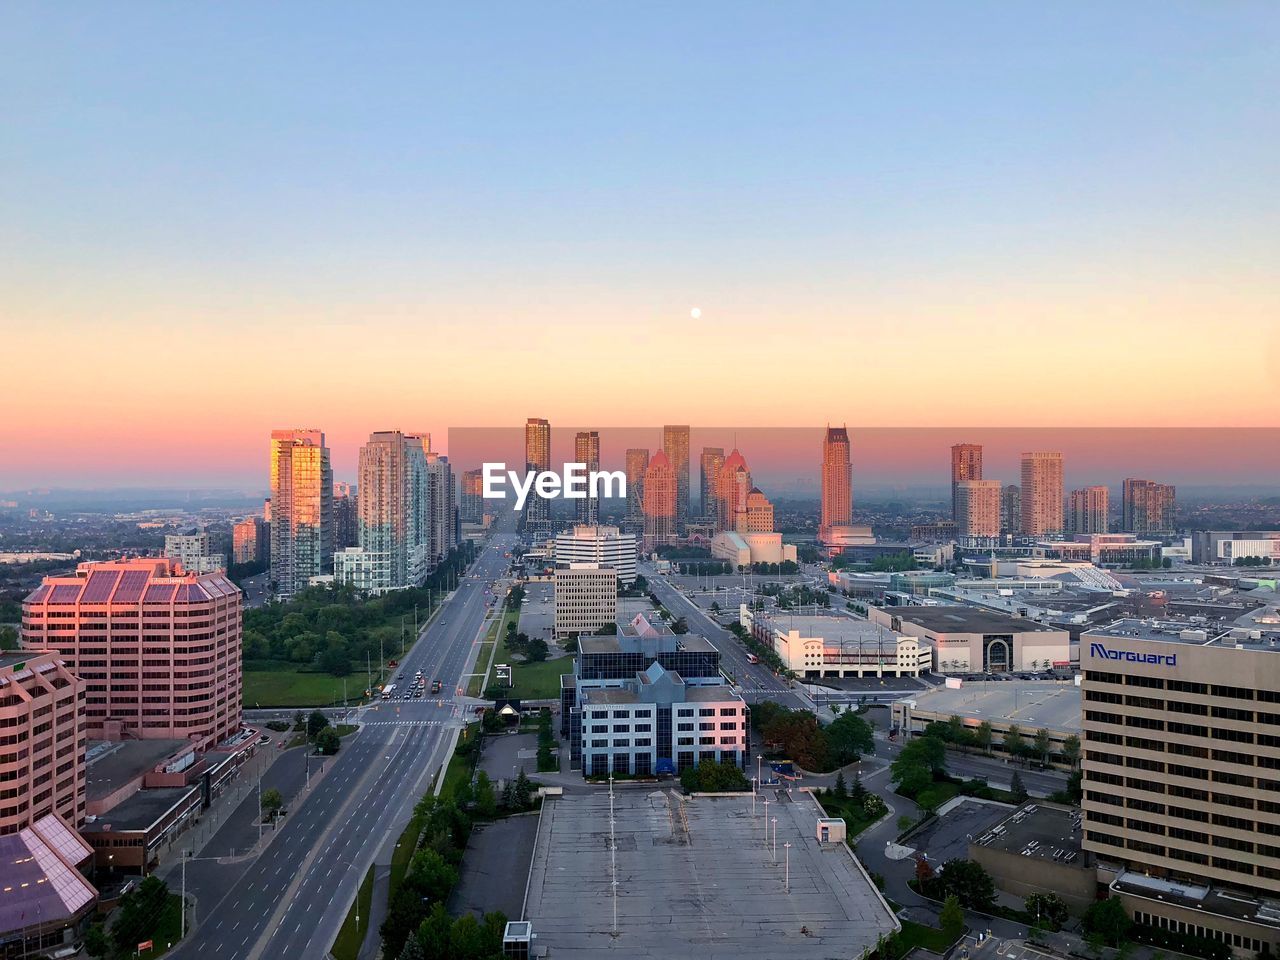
(272, 803)
(315, 723)
(968, 882)
(486, 802)
(1016, 788)
(1014, 743)
(849, 736)
(96, 943)
(1042, 746)
(714, 777)
(1108, 921)
(523, 790)
(841, 789)
(8, 638)
(982, 738)
(328, 742)
(1049, 909)
(952, 916)
(1071, 750)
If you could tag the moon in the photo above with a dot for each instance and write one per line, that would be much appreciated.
(696, 312)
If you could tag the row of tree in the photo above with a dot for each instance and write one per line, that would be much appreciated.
(1017, 744)
(809, 743)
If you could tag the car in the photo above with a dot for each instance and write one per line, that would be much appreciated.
(265, 738)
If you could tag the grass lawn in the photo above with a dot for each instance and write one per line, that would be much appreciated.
(168, 928)
(855, 816)
(918, 935)
(533, 681)
(458, 770)
(936, 794)
(285, 687)
(347, 946)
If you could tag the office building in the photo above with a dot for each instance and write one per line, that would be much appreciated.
(602, 545)
(1182, 776)
(970, 640)
(441, 509)
(1090, 510)
(192, 550)
(816, 646)
(586, 598)
(301, 509)
(837, 483)
(346, 516)
(735, 485)
(675, 443)
(709, 466)
(536, 516)
(659, 502)
(1228, 546)
(1011, 510)
(1148, 507)
(966, 464)
(390, 466)
(42, 750)
(471, 498)
(1042, 504)
(637, 462)
(757, 517)
(158, 650)
(586, 450)
(249, 539)
(977, 511)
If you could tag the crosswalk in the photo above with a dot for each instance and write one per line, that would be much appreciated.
(409, 723)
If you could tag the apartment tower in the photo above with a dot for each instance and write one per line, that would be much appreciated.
(586, 450)
(966, 464)
(659, 502)
(709, 465)
(1148, 507)
(301, 509)
(978, 514)
(837, 483)
(537, 457)
(1090, 510)
(675, 443)
(1042, 507)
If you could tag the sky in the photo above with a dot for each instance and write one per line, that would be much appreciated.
(216, 220)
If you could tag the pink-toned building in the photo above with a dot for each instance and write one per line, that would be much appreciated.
(158, 649)
(837, 483)
(660, 503)
(42, 741)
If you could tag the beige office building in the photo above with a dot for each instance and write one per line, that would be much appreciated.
(1182, 777)
(977, 506)
(586, 598)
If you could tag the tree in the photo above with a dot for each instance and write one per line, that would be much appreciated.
(486, 802)
(1016, 788)
(841, 789)
(334, 660)
(328, 742)
(968, 882)
(1042, 744)
(523, 790)
(96, 943)
(1071, 750)
(315, 723)
(952, 916)
(1048, 909)
(849, 736)
(983, 736)
(1014, 743)
(1107, 920)
(858, 793)
(8, 638)
(536, 650)
(272, 803)
(714, 777)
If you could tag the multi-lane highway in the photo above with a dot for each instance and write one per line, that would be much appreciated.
(291, 900)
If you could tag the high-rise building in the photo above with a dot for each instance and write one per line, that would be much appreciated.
(735, 484)
(659, 502)
(41, 716)
(1148, 507)
(1090, 510)
(758, 515)
(471, 499)
(249, 540)
(586, 450)
(346, 516)
(158, 651)
(442, 508)
(389, 469)
(637, 464)
(1011, 509)
(978, 515)
(675, 443)
(194, 552)
(709, 465)
(1042, 505)
(837, 483)
(966, 464)
(1181, 776)
(537, 458)
(301, 509)
(586, 598)
(601, 545)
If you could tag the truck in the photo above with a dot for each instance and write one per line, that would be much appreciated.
(435, 686)
(388, 690)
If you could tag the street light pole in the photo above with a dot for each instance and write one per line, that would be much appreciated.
(775, 840)
(766, 821)
(786, 870)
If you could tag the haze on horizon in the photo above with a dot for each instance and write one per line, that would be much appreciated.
(220, 220)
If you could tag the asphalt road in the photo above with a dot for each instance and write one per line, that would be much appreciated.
(291, 900)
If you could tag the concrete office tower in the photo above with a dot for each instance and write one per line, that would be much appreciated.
(471, 501)
(346, 516)
(159, 652)
(1011, 509)
(301, 509)
(709, 465)
(637, 464)
(601, 545)
(389, 467)
(249, 540)
(586, 598)
(735, 485)
(1090, 510)
(537, 457)
(1148, 507)
(966, 464)
(586, 449)
(675, 443)
(40, 710)
(659, 502)
(978, 514)
(1181, 768)
(837, 483)
(1042, 495)
(193, 551)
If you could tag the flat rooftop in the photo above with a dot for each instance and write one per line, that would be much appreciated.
(112, 765)
(832, 629)
(695, 879)
(1192, 633)
(1029, 703)
(141, 810)
(1038, 832)
(1236, 905)
(968, 620)
(631, 643)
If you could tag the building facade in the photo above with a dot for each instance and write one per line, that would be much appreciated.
(977, 511)
(1090, 510)
(709, 465)
(637, 464)
(586, 450)
(1011, 510)
(586, 598)
(816, 647)
(966, 464)
(735, 485)
(346, 516)
(158, 651)
(194, 552)
(301, 509)
(837, 483)
(1042, 504)
(659, 502)
(249, 541)
(471, 497)
(1148, 506)
(675, 443)
(969, 640)
(603, 545)
(537, 458)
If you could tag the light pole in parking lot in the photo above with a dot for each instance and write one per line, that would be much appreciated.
(786, 870)
(766, 821)
(774, 853)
